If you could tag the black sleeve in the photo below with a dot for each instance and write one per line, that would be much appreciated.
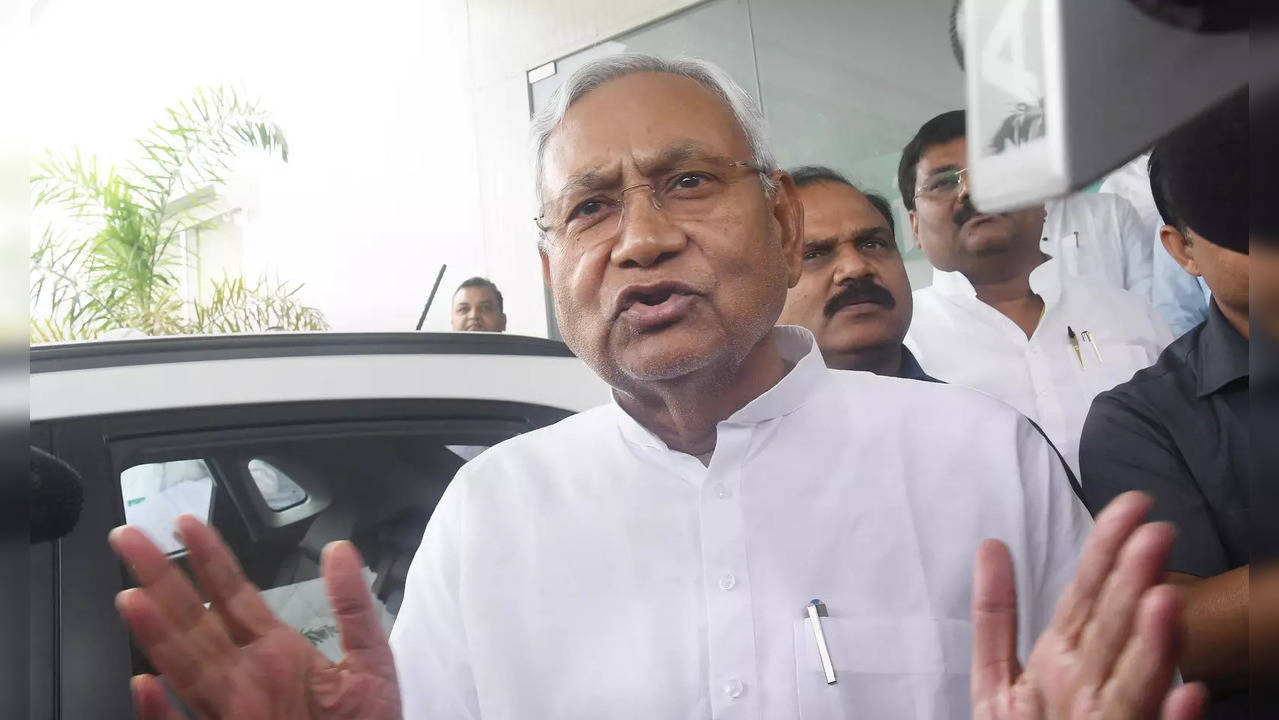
(1125, 448)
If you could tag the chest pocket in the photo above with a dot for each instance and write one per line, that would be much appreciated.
(1117, 365)
(885, 669)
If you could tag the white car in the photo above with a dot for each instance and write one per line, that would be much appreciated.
(284, 442)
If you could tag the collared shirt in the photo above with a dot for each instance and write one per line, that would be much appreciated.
(1099, 237)
(962, 340)
(911, 369)
(1179, 431)
(586, 570)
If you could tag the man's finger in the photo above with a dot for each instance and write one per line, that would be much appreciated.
(169, 588)
(1187, 702)
(1139, 568)
(351, 601)
(230, 593)
(150, 701)
(1112, 527)
(184, 664)
(1143, 675)
(995, 664)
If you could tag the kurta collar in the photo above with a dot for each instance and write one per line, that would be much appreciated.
(798, 348)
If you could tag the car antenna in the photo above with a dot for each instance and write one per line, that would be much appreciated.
(431, 297)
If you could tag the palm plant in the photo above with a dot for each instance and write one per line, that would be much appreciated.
(108, 256)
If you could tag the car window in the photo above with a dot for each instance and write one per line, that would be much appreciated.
(155, 494)
(278, 495)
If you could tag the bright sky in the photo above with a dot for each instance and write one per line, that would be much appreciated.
(381, 187)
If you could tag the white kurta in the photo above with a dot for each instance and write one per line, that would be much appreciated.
(960, 339)
(585, 570)
(1100, 237)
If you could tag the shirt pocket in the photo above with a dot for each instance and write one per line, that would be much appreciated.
(1117, 365)
(885, 669)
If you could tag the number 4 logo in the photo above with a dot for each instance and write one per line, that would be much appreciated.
(1003, 55)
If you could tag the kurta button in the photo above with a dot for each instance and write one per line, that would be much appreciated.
(734, 688)
(722, 492)
(727, 582)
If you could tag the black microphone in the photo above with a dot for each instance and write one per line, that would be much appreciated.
(57, 494)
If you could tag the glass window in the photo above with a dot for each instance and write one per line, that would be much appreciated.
(374, 483)
(155, 494)
(278, 490)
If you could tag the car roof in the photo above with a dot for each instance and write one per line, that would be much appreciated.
(127, 376)
(55, 357)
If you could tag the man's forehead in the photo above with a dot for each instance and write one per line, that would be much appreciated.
(952, 154)
(636, 119)
(831, 207)
(474, 293)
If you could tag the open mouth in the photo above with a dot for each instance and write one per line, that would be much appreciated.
(654, 306)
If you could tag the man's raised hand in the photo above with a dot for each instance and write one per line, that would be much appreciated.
(236, 659)
(1110, 651)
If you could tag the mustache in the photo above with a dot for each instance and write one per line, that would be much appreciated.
(857, 291)
(967, 212)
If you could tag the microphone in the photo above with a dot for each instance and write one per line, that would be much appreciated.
(57, 494)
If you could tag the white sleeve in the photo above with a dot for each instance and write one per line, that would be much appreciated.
(1138, 247)
(1056, 525)
(432, 660)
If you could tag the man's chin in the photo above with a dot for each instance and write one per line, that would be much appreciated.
(669, 353)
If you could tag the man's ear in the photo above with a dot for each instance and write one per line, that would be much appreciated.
(1180, 248)
(546, 262)
(501, 326)
(788, 210)
(914, 227)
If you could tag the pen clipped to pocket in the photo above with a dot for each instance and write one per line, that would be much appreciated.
(816, 610)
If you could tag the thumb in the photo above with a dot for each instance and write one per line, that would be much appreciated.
(351, 601)
(995, 664)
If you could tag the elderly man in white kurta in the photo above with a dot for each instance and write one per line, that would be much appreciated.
(665, 556)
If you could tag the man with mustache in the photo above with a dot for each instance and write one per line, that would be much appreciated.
(999, 316)
(853, 292)
(741, 533)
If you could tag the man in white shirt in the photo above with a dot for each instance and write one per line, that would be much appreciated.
(1000, 316)
(674, 554)
(1099, 237)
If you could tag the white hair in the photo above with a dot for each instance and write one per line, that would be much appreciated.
(597, 72)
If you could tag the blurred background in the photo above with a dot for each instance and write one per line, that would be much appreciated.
(337, 154)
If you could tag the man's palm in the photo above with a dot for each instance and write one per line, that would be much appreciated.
(1110, 651)
(236, 659)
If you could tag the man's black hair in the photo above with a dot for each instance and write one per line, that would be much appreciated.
(938, 131)
(482, 283)
(810, 174)
(1199, 174)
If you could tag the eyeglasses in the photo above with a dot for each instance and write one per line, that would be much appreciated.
(691, 191)
(943, 185)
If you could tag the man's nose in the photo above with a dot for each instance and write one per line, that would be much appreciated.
(961, 193)
(645, 235)
(850, 264)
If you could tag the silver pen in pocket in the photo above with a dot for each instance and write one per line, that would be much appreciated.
(1087, 336)
(816, 611)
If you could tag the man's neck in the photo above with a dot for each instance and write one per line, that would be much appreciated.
(883, 360)
(1237, 320)
(684, 412)
(1007, 289)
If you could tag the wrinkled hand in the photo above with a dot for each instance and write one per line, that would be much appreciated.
(1111, 649)
(237, 659)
